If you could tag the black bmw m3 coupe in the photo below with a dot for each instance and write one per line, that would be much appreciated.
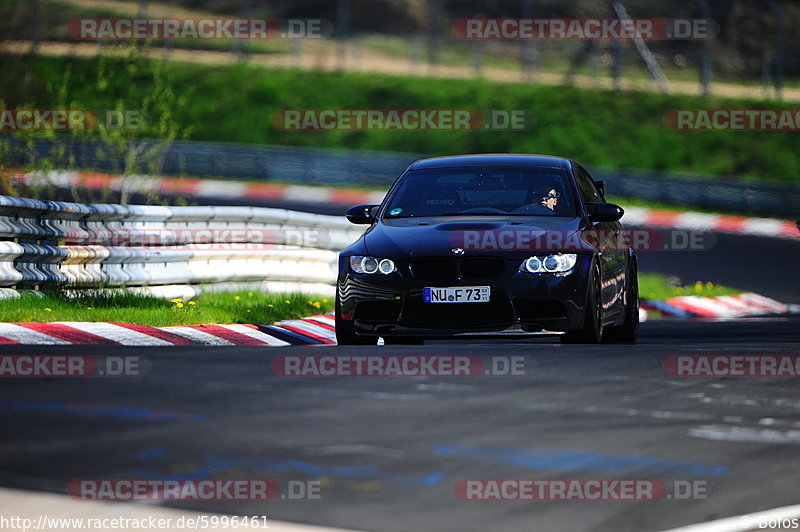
(489, 245)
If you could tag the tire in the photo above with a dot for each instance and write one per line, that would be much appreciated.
(345, 335)
(592, 330)
(403, 340)
(629, 330)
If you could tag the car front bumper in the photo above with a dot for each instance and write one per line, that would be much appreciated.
(520, 303)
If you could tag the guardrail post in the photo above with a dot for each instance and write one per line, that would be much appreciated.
(36, 27)
(342, 16)
(705, 68)
(780, 46)
(434, 7)
(527, 56)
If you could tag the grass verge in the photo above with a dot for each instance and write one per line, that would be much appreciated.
(657, 286)
(222, 308)
(239, 307)
(598, 127)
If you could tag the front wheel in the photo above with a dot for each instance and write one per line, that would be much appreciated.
(629, 330)
(592, 330)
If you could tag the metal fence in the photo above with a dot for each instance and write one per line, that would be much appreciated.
(47, 244)
(236, 161)
(748, 42)
(704, 192)
(342, 168)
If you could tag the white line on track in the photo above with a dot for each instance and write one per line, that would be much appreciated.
(744, 522)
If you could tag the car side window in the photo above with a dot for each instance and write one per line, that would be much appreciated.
(589, 192)
(593, 184)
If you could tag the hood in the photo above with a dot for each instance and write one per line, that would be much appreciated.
(487, 235)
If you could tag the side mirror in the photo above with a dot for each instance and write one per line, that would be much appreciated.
(360, 214)
(601, 186)
(604, 212)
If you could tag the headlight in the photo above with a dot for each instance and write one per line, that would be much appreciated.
(386, 266)
(370, 265)
(533, 264)
(563, 262)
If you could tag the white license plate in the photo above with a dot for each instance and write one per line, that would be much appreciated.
(460, 294)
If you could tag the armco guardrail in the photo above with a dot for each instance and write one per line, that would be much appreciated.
(47, 244)
(768, 200)
(346, 167)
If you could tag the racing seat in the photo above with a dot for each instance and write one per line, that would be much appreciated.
(440, 200)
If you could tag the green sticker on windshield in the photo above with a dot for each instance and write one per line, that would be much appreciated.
(395, 212)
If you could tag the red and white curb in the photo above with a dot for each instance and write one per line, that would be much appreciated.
(698, 221)
(207, 188)
(320, 329)
(313, 330)
(719, 307)
(242, 190)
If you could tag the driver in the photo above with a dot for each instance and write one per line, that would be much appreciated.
(548, 198)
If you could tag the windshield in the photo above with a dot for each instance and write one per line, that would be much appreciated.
(483, 191)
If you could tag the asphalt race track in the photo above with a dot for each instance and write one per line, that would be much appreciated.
(387, 452)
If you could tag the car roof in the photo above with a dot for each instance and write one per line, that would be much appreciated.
(492, 159)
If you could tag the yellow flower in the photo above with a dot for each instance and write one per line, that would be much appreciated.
(47, 309)
(176, 300)
(89, 308)
(271, 306)
(698, 286)
(316, 304)
(248, 310)
(249, 294)
(287, 301)
(192, 303)
(709, 285)
(324, 300)
(179, 305)
(237, 298)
